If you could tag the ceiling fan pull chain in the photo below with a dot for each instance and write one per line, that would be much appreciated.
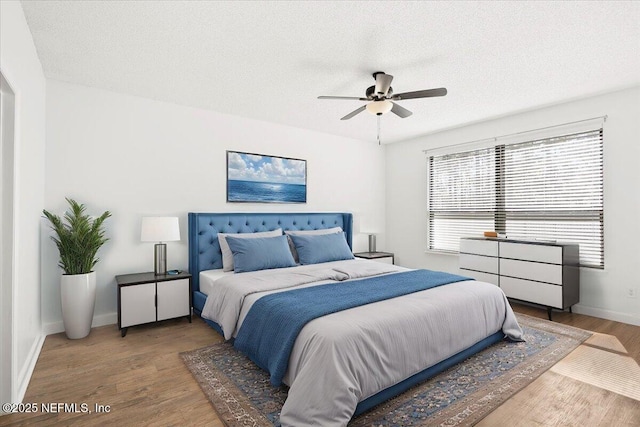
(378, 130)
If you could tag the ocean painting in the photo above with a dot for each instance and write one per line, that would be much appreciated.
(265, 179)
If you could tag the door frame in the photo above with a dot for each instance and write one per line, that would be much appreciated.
(8, 114)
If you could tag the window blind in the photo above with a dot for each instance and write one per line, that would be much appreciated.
(549, 189)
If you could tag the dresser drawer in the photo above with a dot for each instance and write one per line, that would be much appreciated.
(531, 252)
(479, 247)
(550, 273)
(536, 292)
(485, 264)
(482, 277)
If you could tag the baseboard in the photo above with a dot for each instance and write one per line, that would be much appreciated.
(100, 320)
(30, 364)
(607, 314)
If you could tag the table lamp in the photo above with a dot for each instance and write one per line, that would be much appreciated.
(366, 227)
(372, 242)
(160, 229)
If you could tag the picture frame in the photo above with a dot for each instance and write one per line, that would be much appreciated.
(262, 178)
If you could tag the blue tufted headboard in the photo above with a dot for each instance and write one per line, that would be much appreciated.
(204, 249)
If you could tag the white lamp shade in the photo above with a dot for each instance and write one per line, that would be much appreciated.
(379, 107)
(366, 226)
(160, 229)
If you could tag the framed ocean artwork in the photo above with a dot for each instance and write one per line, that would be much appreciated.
(259, 178)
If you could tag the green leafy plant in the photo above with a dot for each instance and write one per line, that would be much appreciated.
(78, 239)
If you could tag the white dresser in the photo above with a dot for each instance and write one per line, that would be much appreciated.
(538, 272)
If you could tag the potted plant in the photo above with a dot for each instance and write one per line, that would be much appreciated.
(78, 239)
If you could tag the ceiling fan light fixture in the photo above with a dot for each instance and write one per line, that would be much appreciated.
(378, 108)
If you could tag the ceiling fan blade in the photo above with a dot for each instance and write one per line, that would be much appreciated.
(343, 97)
(383, 83)
(353, 113)
(420, 94)
(400, 111)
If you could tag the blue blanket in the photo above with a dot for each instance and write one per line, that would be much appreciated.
(272, 325)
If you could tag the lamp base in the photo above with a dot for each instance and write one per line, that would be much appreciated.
(160, 259)
(372, 243)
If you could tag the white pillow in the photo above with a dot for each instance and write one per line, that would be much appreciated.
(307, 232)
(320, 231)
(227, 255)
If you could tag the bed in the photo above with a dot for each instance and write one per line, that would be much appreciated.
(341, 360)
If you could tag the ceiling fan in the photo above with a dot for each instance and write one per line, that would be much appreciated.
(381, 97)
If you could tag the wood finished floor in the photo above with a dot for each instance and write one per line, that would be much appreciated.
(144, 382)
(628, 335)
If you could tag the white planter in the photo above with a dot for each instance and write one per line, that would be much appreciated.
(78, 294)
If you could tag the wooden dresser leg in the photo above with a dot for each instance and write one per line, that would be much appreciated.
(549, 312)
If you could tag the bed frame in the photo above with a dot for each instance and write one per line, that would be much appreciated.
(204, 254)
(204, 249)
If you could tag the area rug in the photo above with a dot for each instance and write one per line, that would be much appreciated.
(241, 394)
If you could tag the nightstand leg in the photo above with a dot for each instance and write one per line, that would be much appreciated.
(549, 312)
(123, 332)
(189, 317)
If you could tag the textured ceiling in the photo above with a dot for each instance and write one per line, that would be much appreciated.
(270, 60)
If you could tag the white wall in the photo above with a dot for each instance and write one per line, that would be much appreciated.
(602, 292)
(138, 157)
(21, 68)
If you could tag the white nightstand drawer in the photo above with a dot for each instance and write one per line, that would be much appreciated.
(550, 273)
(384, 260)
(536, 292)
(173, 299)
(383, 257)
(138, 304)
(482, 277)
(531, 252)
(485, 264)
(479, 247)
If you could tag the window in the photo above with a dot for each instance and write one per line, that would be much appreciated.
(548, 189)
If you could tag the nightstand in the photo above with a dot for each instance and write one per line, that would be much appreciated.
(385, 257)
(147, 298)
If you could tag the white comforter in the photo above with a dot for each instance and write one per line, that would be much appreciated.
(343, 358)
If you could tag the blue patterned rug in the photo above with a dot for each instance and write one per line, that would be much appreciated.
(241, 393)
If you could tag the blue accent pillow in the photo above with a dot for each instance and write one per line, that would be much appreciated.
(260, 253)
(314, 249)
